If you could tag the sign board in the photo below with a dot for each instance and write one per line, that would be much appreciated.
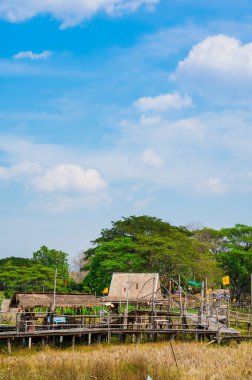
(59, 319)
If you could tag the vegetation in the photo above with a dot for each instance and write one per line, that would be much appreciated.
(51, 258)
(146, 244)
(141, 244)
(196, 361)
(27, 275)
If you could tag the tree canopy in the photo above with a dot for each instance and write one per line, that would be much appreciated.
(235, 256)
(51, 258)
(25, 275)
(146, 244)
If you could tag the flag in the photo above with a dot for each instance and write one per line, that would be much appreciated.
(226, 280)
(105, 291)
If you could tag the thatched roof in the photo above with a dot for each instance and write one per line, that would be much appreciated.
(138, 287)
(31, 300)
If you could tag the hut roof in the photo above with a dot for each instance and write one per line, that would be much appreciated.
(31, 300)
(137, 287)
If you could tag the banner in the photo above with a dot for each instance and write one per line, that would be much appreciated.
(226, 280)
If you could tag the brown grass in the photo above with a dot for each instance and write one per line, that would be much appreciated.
(131, 362)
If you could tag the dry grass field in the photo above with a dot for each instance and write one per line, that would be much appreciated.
(196, 361)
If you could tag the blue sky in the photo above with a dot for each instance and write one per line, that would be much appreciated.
(111, 108)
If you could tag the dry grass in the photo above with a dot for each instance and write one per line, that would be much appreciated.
(131, 362)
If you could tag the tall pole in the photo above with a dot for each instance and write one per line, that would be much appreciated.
(153, 295)
(250, 322)
(54, 290)
(180, 296)
(127, 298)
(206, 293)
(202, 301)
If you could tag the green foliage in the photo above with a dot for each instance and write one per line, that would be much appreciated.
(52, 258)
(235, 256)
(25, 275)
(118, 255)
(146, 244)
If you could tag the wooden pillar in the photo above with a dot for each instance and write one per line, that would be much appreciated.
(73, 341)
(89, 339)
(61, 339)
(138, 338)
(9, 346)
(99, 338)
(109, 336)
(43, 341)
(29, 341)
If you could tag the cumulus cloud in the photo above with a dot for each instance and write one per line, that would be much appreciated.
(57, 179)
(19, 171)
(211, 185)
(151, 158)
(220, 55)
(69, 13)
(32, 56)
(150, 120)
(59, 203)
(63, 178)
(163, 102)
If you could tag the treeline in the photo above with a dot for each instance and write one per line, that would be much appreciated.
(36, 274)
(140, 244)
(148, 244)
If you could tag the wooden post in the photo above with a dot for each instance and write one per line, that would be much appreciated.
(180, 298)
(169, 304)
(9, 346)
(250, 319)
(61, 339)
(29, 341)
(89, 339)
(73, 341)
(138, 338)
(54, 291)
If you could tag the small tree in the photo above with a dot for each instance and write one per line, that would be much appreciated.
(51, 258)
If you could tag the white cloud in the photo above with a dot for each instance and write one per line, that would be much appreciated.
(219, 54)
(59, 203)
(69, 13)
(142, 203)
(150, 120)
(59, 178)
(63, 178)
(151, 158)
(19, 171)
(32, 56)
(163, 102)
(211, 185)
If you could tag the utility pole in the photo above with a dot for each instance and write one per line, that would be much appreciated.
(54, 290)
(180, 296)
(250, 322)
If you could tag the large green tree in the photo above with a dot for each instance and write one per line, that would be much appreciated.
(53, 259)
(235, 256)
(146, 244)
(25, 275)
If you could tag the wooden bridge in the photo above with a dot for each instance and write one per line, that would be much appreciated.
(138, 326)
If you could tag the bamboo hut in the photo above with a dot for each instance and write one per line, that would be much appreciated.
(134, 288)
(29, 301)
